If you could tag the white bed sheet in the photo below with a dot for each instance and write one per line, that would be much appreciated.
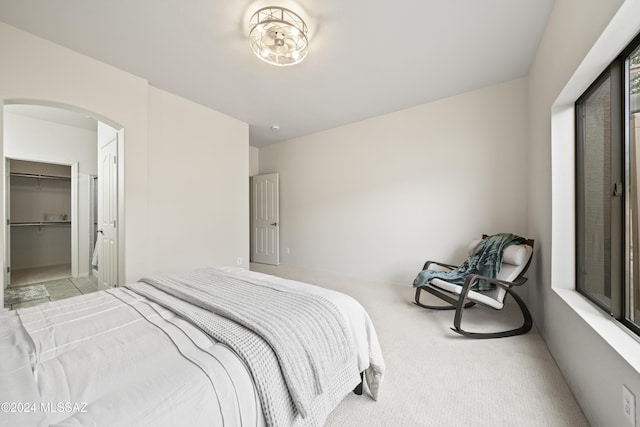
(113, 358)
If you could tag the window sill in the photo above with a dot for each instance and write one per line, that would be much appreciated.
(623, 341)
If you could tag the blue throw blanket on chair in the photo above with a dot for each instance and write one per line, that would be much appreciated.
(485, 260)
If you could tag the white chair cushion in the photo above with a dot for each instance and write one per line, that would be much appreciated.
(514, 260)
(513, 254)
(519, 257)
(494, 299)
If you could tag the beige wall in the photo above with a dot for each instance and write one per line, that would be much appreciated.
(198, 186)
(38, 71)
(35, 70)
(254, 161)
(590, 349)
(375, 199)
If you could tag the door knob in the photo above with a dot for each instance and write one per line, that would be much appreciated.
(274, 224)
(100, 231)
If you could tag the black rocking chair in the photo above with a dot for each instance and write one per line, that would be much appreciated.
(515, 262)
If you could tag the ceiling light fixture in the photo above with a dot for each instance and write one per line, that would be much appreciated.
(278, 36)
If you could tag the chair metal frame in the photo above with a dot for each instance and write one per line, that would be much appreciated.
(460, 302)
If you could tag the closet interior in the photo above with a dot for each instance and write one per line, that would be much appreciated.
(40, 221)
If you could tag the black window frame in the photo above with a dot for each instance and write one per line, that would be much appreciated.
(618, 279)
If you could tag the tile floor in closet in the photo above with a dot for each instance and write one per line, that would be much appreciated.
(57, 281)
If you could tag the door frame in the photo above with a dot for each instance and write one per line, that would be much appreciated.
(4, 242)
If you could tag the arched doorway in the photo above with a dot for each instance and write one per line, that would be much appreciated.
(63, 235)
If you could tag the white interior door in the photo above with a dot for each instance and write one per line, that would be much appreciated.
(7, 236)
(265, 219)
(108, 212)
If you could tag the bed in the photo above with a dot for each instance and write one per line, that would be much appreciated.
(156, 353)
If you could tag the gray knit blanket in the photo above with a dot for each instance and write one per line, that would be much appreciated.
(296, 345)
(485, 260)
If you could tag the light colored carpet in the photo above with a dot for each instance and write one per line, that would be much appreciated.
(24, 294)
(435, 377)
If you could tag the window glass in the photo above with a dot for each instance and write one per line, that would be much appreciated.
(633, 113)
(608, 189)
(594, 192)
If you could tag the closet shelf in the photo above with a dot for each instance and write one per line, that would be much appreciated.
(40, 223)
(40, 176)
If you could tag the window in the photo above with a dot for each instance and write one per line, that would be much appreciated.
(608, 189)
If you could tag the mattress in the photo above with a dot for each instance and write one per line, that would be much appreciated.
(114, 358)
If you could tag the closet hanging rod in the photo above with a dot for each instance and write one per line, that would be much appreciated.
(41, 223)
(39, 176)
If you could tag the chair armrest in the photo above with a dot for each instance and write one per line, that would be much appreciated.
(502, 283)
(442, 264)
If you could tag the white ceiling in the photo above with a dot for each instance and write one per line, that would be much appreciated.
(366, 57)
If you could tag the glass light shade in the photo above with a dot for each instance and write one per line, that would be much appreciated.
(278, 36)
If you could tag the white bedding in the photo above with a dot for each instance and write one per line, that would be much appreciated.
(114, 358)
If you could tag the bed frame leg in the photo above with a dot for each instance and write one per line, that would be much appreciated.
(358, 389)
